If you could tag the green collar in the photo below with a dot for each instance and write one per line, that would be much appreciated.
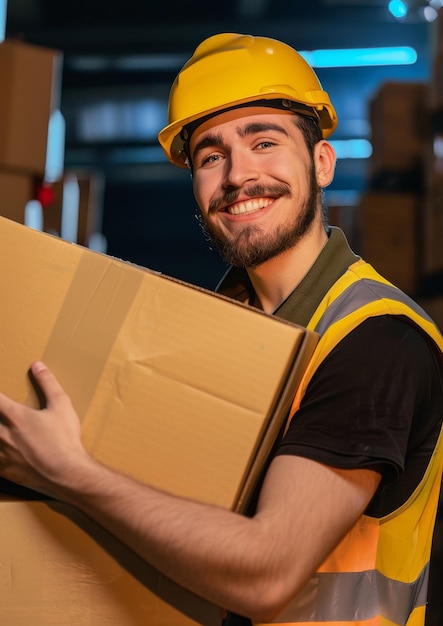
(300, 305)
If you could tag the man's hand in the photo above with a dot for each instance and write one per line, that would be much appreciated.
(39, 448)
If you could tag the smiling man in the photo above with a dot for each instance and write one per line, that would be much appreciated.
(248, 177)
(340, 529)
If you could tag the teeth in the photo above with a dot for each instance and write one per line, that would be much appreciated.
(249, 206)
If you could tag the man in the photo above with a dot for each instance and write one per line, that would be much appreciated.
(341, 529)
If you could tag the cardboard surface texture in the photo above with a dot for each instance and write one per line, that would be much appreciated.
(60, 569)
(174, 385)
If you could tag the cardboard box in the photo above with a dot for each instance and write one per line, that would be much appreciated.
(16, 190)
(388, 236)
(399, 120)
(31, 84)
(174, 385)
(431, 224)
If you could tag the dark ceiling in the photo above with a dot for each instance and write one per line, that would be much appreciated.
(115, 51)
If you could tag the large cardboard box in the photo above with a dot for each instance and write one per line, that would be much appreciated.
(30, 91)
(174, 385)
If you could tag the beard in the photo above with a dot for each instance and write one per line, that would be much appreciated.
(251, 247)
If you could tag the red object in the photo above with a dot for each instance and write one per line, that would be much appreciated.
(45, 194)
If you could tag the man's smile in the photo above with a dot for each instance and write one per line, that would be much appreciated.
(248, 206)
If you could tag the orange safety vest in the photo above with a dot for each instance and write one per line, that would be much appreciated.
(378, 574)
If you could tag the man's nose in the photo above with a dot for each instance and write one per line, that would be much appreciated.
(241, 167)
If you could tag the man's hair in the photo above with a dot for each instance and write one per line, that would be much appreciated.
(310, 129)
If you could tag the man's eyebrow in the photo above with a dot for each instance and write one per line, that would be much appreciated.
(258, 127)
(211, 140)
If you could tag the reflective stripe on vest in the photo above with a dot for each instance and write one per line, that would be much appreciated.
(355, 296)
(378, 574)
(356, 597)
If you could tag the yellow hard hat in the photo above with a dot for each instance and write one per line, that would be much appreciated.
(231, 70)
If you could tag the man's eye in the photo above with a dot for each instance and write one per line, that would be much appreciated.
(211, 158)
(265, 144)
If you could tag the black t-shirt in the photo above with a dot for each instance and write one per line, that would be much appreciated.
(376, 401)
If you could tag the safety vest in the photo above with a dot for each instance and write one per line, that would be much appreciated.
(378, 574)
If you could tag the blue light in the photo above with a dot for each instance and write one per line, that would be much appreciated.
(2, 20)
(357, 57)
(55, 149)
(398, 8)
(352, 148)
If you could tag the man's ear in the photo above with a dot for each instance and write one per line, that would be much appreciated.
(325, 160)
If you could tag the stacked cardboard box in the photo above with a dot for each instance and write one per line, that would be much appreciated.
(431, 230)
(388, 235)
(30, 91)
(399, 119)
(16, 190)
(174, 385)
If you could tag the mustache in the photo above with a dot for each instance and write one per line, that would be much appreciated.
(254, 191)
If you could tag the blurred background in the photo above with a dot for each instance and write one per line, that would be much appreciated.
(84, 93)
(377, 60)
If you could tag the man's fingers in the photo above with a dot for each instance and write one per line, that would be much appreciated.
(47, 382)
(38, 368)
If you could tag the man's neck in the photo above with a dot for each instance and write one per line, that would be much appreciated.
(274, 280)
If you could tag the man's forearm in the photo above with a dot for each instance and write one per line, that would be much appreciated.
(215, 553)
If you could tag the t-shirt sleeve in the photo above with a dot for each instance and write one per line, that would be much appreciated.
(361, 404)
